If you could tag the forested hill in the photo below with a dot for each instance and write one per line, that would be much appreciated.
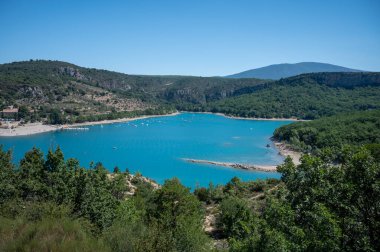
(279, 71)
(360, 128)
(335, 79)
(307, 96)
(79, 93)
(43, 75)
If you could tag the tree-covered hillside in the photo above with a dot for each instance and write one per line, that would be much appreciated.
(74, 92)
(334, 132)
(307, 96)
(45, 85)
(53, 74)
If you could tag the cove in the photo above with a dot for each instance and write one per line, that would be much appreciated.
(156, 147)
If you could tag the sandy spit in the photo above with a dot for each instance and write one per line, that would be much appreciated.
(252, 167)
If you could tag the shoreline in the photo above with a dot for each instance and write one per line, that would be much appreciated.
(127, 119)
(28, 129)
(284, 150)
(249, 167)
(37, 128)
(249, 118)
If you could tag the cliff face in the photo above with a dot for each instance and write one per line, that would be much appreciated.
(46, 85)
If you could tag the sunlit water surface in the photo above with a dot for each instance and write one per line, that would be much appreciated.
(155, 146)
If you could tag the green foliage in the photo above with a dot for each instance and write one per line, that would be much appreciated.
(96, 201)
(179, 213)
(332, 132)
(50, 234)
(56, 117)
(123, 114)
(167, 220)
(31, 176)
(237, 218)
(72, 90)
(23, 112)
(7, 177)
(307, 96)
(69, 93)
(53, 204)
(321, 207)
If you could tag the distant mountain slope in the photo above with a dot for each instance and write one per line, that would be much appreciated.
(43, 85)
(307, 96)
(77, 91)
(44, 74)
(279, 71)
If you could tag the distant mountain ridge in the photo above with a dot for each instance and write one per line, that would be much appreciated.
(79, 93)
(285, 70)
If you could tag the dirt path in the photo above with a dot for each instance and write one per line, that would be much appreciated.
(263, 193)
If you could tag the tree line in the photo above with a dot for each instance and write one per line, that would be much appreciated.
(332, 133)
(320, 205)
(54, 204)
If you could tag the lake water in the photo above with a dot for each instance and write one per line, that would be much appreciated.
(155, 146)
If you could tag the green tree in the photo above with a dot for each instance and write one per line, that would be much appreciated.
(236, 218)
(95, 200)
(23, 112)
(56, 117)
(8, 188)
(118, 185)
(59, 177)
(31, 176)
(179, 213)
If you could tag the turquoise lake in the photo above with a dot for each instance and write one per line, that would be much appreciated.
(155, 146)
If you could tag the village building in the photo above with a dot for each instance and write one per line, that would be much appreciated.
(9, 113)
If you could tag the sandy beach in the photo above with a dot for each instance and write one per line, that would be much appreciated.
(285, 151)
(27, 129)
(36, 128)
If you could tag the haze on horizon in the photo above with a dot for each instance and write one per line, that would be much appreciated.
(191, 38)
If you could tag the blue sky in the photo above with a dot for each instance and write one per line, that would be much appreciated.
(204, 37)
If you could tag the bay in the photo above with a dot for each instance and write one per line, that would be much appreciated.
(155, 146)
